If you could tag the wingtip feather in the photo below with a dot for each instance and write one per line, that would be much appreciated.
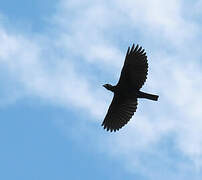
(132, 49)
(137, 46)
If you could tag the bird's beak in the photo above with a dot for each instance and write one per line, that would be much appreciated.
(104, 85)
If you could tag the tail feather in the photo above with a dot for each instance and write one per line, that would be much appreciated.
(148, 96)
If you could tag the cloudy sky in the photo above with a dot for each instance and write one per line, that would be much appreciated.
(54, 58)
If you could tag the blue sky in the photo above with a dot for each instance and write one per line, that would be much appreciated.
(54, 58)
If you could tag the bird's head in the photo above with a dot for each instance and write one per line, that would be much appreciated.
(109, 87)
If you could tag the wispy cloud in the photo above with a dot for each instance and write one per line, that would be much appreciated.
(26, 62)
(89, 40)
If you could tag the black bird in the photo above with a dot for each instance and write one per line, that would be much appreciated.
(124, 103)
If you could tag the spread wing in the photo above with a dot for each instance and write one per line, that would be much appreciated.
(135, 69)
(119, 113)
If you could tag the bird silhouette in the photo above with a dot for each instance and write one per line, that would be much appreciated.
(124, 103)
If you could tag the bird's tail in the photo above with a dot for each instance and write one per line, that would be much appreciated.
(148, 96)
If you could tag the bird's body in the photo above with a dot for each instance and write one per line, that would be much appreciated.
(127, 90)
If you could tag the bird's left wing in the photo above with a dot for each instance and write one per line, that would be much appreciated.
(119, 113)
(134, 71)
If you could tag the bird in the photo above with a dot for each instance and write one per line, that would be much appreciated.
(127, 90)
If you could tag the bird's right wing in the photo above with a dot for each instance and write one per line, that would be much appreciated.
(119, 113)
(134, 71)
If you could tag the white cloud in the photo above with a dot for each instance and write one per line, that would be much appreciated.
(26, 63)
(89, 33)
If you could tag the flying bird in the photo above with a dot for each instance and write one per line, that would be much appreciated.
(127, 90)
